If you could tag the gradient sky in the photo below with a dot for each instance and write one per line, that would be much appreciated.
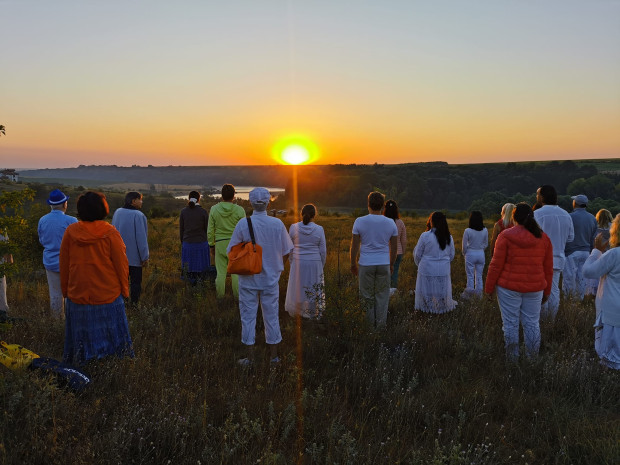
(199, 82)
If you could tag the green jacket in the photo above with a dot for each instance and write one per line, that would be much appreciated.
(223, 218)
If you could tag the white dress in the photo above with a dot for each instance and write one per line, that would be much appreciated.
(305, 293)
(433, 291)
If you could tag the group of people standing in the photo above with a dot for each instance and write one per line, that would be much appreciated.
(96, 265)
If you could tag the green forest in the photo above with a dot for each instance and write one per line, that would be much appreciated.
(415, 186)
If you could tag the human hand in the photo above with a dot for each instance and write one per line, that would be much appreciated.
(145, 262)
(354, 268)
(600, 243)
(545, 298)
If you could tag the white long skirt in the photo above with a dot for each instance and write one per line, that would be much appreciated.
(305, 294)
(433, 294)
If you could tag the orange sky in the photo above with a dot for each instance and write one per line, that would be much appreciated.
(120, 83)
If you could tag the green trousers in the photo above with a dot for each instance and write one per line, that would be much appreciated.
(221, 263)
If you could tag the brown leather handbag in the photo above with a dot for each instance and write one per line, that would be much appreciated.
(246, 258)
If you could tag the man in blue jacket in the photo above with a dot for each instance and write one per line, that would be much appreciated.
(51, 229)
(132, 225)
(578, 250)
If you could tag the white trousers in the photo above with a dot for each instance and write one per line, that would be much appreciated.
(4, 306)
(474, 264)
(550, 307)
(524, 308)
(573, 281)
(57, 303)
(249, 300)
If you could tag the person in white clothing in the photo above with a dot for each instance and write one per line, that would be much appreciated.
(558, 225)
(578, 250)
(305, 294)
(433, 254)
(270, 233)
(606, 266)
(4, 305)
(375, 240)
(475, 241)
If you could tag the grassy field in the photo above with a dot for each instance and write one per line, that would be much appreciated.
(431, 389)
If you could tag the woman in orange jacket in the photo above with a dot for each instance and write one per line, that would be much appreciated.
(521, 272)
(94, 278)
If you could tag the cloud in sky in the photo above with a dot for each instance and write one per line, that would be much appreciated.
(205, 82)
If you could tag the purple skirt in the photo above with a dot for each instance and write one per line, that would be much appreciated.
(95, 331)
(195, 257)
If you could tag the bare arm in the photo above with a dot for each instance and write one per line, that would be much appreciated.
(393, 251)
(355, 248)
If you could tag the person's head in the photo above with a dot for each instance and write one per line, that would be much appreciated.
(439, 222)
(580, 201)
(375, 201)
(194, 198)
(476, 221)
(507, 213)
(523, 215)
(604, 218)
(308, 212)
(133, 199)
(391, 210)
(228, 192)
(57, 200)
(547, 195)
(259, 198)
(92, 206)
(614, 232)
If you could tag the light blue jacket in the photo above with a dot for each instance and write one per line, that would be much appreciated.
(605, 266)
(51, 229)
(132, 225)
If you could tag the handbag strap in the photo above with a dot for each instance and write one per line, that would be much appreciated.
(251, 230)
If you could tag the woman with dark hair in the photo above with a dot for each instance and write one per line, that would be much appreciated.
(521, 271)
(391, 211)
(193, 224)
(305, 294)
(132, 225)
(604, 264)
(94, 279)
(475, 240)
(504, 222)
(433, 254)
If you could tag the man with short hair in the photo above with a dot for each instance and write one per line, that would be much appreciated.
(557, 224)
(263, 288)
(132, 224)
(375, 239)
(223, 218)
(51, 229)
(578, 250)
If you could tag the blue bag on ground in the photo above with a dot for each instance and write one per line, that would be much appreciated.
(65, 373)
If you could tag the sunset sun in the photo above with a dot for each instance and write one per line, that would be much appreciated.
(295, 150)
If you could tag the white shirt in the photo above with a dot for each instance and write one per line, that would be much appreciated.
(607, 267)
(375, 232)
(431, 260)
(309, 241)
(475, 240)
(558, 225)
(270, 233)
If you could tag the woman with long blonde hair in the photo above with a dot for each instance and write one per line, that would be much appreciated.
(503, 223)
(605, 265)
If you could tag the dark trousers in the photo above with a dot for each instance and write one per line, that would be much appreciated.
(135, 283)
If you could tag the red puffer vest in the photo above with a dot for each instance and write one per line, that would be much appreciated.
(521, 262)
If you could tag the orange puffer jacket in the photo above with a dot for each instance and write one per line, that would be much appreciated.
(521, 262)
(93, 264)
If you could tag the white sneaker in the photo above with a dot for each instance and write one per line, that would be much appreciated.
(393, 291)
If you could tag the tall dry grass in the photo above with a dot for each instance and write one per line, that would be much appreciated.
(431, 389)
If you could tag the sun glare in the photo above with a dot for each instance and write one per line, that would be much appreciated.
(295, 150)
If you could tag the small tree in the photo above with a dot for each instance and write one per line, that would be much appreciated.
(2, 130)
(12, 223)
